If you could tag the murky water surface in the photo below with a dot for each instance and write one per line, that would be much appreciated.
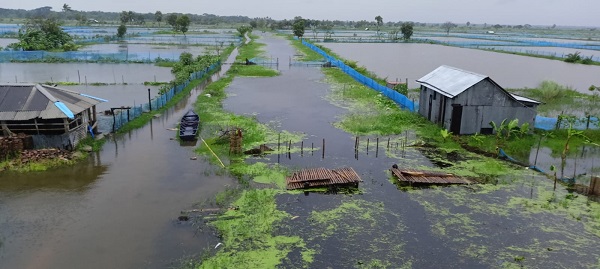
(454, 227)
(82, 73)
(413, 61)
(118, 209)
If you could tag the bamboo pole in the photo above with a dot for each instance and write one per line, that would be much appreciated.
(377, 148)
(213, 153)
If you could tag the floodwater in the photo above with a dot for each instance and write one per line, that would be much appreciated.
(141, 51)
(7, 41)
(117, 95)
(82, 73)
(453, 227)
(117, 209)
(467, 40)
(413, 61)
(553, 51)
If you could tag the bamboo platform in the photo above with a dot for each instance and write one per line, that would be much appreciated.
(321, 177)
(427, 177)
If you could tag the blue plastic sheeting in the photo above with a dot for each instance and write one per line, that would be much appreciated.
(64, 109)
(547, 124)
(503, 154)
(535, 168)
(94, 97)
(397, 97)
(91, 131)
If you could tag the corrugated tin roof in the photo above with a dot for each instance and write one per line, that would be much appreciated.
(524, 99)
(450, 81)
(28, 101)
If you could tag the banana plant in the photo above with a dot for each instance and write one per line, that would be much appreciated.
(445, 134)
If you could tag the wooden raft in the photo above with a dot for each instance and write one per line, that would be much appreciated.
(427, 177)
(321, 177)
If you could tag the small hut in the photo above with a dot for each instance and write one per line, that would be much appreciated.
(54, 117)
(464, 102)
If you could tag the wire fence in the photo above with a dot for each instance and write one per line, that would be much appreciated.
(397, 97)
(124, 115)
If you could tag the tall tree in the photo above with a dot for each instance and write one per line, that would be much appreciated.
(183, 23)
(407, 30)
(124, 17)
(448, 26)
(298, 27)
(158, 17)
(43, 34)
(121, 31)
(379, 22)
(172, 20)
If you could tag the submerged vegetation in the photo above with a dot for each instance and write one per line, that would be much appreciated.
(374, 115)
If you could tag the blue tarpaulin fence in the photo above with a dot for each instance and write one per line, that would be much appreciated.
(125, 115)
(543, 123)
(85, 56)
(397, 97)
(546, 123)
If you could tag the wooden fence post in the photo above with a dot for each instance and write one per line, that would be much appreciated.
(595, 186)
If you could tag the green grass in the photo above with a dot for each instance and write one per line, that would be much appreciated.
(14, 165)
(143, 119)
(248, 240)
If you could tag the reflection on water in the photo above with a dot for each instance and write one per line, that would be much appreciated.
(117, 209)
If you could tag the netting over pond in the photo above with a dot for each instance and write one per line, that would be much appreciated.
(125, 114)
(397, 97)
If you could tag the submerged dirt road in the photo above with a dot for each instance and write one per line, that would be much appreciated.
(511, 223)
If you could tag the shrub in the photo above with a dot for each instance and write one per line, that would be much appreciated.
(573, 57)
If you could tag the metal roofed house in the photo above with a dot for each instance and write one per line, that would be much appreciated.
(464, 102)
(54, 117)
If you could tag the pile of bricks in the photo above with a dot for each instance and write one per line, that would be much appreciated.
(10, 146)
(44, 154)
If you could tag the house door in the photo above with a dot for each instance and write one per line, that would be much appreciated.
(429, 109)
(456, 119)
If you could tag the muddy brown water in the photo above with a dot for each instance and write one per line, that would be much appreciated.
(404, 232)
(117, 209)
(413, 61)
(295, 102)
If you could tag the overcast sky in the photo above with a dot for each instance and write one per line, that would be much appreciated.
(534, 12)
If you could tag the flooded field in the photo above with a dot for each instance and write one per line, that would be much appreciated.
(117, 95)
(82, 73)
(7, 41)
(118, 209)
(549, 51)
(480, 226)
(413, 61)
(147, 51)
